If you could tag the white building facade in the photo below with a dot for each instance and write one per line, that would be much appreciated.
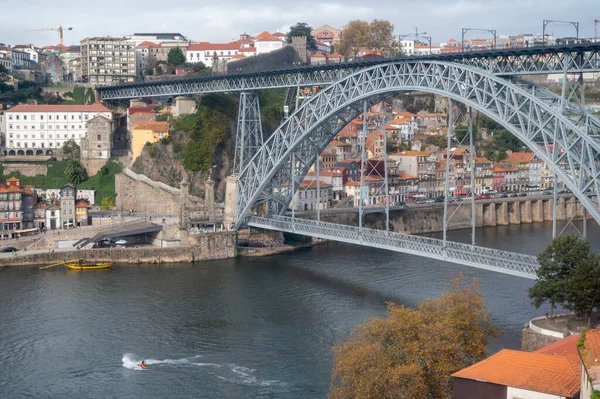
(35, 129)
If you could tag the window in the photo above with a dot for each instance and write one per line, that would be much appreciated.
(65, 117)
(65, 126)
(24, 117)
(99, 137)
(10, 126)
(41, 117)
(72, 117)
(41, 125)
(25, 127)
(10, 117)
(33, 127)
(17, 117)
(49, 116)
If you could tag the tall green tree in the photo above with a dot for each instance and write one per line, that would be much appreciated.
(356, 35)
(176, 57)
(107, 203)
(382, 37)
(71, 149)
(412, 352)
(360, 35)
(567, 275)
(75, 172)
(302, 29)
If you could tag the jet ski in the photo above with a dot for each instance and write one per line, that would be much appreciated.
(143, 365)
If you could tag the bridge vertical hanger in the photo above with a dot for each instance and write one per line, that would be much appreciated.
(473, 160)
(249, 138)
(361, 200)
(447, 181)
(385, 169)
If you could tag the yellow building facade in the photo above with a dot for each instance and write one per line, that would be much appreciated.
(147, 132)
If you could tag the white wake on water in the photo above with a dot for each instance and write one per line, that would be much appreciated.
(132, 362)
(232, 372)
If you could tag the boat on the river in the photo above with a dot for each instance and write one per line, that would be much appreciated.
(81, 264)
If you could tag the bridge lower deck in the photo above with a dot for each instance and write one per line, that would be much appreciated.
(471, 255)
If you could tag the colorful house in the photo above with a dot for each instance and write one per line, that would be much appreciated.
(147, 132)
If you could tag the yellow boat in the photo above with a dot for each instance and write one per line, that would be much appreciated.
(81, 264)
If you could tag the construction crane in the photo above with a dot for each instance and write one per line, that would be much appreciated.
(596, 21)
(60, 30)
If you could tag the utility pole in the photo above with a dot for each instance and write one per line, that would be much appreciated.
(596, 21)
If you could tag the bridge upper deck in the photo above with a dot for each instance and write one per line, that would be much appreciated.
(574, 58)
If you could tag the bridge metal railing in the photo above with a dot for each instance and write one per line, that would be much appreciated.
(481, 257)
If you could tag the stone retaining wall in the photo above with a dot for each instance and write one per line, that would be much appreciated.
(26, 169)
(219, 245)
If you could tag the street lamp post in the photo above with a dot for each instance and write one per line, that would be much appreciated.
(550, 21)
(465, 30)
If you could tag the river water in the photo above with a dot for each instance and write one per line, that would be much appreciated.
(244, 328)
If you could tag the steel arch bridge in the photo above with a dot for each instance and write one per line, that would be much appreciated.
(535, 117)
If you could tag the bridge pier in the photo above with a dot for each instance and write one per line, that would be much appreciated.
(560, 209)
(548, 210)
(229, 215)
(514, 213)
(537, 211)
(489, 214)
(502, 214)
(526, 216)
(571, 208)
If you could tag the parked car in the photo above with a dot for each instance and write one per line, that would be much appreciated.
(9, 249)
(522, 194)
(503, 196)
(400, 203)
(548, 193)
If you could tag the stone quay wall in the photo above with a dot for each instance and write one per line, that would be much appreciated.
(26, 169)
(430, 219)
(218, 245)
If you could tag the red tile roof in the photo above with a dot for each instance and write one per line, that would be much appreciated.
(82, 204)
(520, 157)
(206, 46)
(149, 44)
(154, 126)
(313, 184)
(590, 353)
(531, 371)
(411, 154)
(134, 110)
(97, 107)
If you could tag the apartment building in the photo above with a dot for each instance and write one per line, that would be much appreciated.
(107, 60)
(37, 129)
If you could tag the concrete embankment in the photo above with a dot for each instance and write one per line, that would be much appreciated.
(219, 245)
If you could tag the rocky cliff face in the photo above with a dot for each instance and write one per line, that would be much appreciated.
(164, 162)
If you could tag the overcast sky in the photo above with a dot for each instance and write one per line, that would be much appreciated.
(215, 21)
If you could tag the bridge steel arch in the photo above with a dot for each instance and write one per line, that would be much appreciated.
(556, 139)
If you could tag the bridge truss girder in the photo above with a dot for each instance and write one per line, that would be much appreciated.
(463, 254)
(554, 138)
(552, 59)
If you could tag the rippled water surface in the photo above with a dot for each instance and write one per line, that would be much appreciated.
(245, 328)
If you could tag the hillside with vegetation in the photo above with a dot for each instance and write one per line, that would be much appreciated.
(203, 144)
(102, 182)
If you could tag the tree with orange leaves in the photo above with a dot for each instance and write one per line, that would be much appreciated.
(413, 352)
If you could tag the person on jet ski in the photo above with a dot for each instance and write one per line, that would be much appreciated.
(143, 364)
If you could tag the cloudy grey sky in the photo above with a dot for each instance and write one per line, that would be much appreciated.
(215, 21)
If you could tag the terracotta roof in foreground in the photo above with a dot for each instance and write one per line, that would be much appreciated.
(531, 371)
